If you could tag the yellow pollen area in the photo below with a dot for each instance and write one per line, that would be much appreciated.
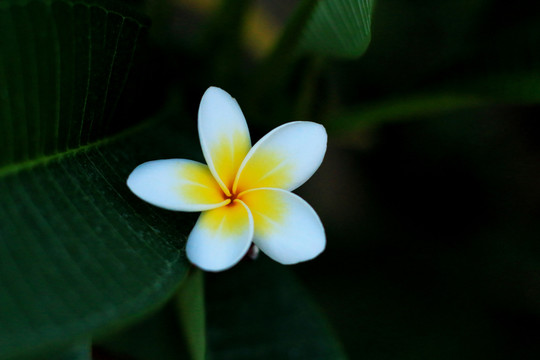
(197, 185)
(268, 208)
(227, 155)
(264, 169)
(226, 221)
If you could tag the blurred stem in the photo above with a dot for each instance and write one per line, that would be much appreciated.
(191, 313)
(286, 47)
(401, 109)
(304, 105)
(222, 42)
(275, 68)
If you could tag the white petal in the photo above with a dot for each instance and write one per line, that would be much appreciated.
(287, 229)
(176, 184)
(221, 237)
(224, 135)
(285, 158)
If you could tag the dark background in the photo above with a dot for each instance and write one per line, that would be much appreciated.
(432, 219)
(433, 231)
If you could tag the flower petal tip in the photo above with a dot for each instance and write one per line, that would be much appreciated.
(287, 229)
(285, 158)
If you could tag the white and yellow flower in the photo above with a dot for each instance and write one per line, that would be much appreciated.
(244, 192)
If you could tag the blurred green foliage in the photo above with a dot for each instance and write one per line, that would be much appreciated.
(429, 192)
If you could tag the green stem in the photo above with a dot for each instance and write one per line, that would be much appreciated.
(304, 104)
(222, 42)
(400, 109)
(191, 313)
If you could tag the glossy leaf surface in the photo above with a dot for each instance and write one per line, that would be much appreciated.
(340, 28)
(259, 310)
(78, 252)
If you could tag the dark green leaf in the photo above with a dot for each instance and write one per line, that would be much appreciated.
(156, 337)
(80, 350)
(321, 28)
(78, 252)
(340, 28)
(177, 331)
(257, 310)
(63, 66)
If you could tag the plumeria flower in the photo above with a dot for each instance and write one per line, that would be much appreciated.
(244, 192)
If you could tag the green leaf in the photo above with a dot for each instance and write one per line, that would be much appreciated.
(78, 252)
(254, 311)
(177, 331)
(322, 28)
(77, 352)
(431, 52)
(339, 28)
(80, 350)
(63, 66)
(156, 337)
(257, 310)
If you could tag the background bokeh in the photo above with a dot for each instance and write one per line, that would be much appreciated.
(433, 222)
(432, 210)
(429, 191)
(430, 194)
